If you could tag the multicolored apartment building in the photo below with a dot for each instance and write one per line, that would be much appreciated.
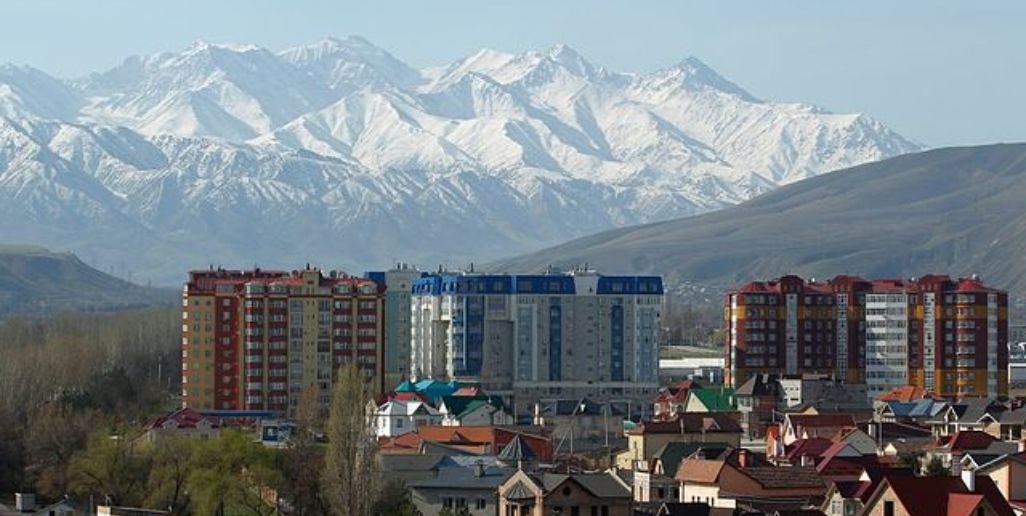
(947, 336)
(256, 339)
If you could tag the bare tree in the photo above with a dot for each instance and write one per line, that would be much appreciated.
(351, 475)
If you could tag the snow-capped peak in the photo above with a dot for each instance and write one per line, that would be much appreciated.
(346, 141)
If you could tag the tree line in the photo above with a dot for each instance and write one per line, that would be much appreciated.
(77, 390)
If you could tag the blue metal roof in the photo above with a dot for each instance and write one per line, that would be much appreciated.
(550, 284)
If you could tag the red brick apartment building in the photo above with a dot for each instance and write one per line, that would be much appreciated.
(947, 336)
(255, 339)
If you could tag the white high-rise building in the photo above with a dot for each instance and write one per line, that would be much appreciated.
(886, 342)
(535, 337)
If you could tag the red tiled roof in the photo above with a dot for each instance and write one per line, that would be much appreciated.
(185, 418)
(963, 504)
(925, 495)
(969, 440)
(905, 394)
(813, 447)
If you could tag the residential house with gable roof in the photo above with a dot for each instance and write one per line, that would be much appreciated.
(966, 495)
(672, 400)
(1008, 472)
(848, 497)
(478, 410)
(658, 482)
(737, 483)
(184, 422)
(757, 400)
(979, 447)
(805, 426)
(648, 437)
(710, 400)
(397, 417)
(581, 494)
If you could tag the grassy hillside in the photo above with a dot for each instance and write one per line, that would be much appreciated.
(956, 210)
(35, 281)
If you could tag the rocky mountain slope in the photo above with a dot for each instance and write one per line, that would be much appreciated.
(339, 152)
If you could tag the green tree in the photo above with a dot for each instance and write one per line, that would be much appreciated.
(170, 465)
(394, 500)
(53, 435)
(109, 469)
(303, 459)
(230, 475)
(936, 468)
(351, 474)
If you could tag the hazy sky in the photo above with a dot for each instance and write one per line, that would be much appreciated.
(939, 72)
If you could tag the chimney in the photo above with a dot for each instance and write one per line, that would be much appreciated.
(479, 469)
(969, 479)
(956, 464)
(806, 461)
(25, 502)
(742, 458)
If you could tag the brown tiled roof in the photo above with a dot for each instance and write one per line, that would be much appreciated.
(785, 477)
(700, 470)
(822, 420)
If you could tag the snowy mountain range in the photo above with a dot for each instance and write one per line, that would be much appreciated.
(341, 154)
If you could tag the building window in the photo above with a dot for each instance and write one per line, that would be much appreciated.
(888, 508)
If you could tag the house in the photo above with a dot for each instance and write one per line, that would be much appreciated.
(471, 488)
(591, 423)
(672, 400)
(889, 439)
(185, 422)
(479, 410)
(848, 497)
(757, 399)
(911, 412)
(967, 414)
(657, 484)
(429, 389)
(1008, 472)
(824, 394)
(648, 437)
(1010, 424)
(397, 417)
(966, 495)
(981, 447)
(734, 482)
(905, 394)
(25, 503)
(805, 426)
(485, 440)
(580, 494)
(710, 400)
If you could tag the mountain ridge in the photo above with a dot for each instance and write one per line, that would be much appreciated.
(945, 210)
(228, 144)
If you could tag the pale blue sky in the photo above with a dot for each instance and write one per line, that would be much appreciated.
(940, 72)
